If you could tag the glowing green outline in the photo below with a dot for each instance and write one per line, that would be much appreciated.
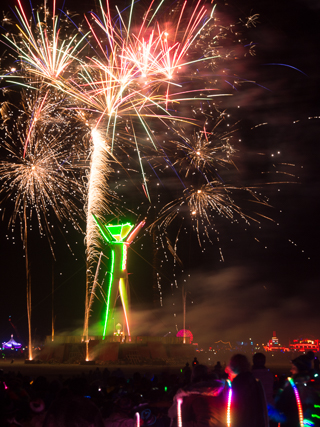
(109, 293)
(115, 235)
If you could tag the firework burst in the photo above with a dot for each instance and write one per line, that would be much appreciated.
(205, 150)
(40, 178)
(127, 81)
(37, 178)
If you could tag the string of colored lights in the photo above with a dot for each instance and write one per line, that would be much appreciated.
(302, 421)
(179, 415)
(298, 400)
(228, 415)
(137, 419)
(229, 404)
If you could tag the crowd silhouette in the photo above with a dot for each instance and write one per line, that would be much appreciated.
(236, 395)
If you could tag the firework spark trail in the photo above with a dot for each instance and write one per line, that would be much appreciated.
(202, 202)
(90, 294)
(111, 85)
(206, 192)
(97, 202)
(204, 151)
(37, 177)
(41, 179)
(128, 81)
(47, 56)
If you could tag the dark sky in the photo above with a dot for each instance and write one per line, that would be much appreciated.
(269, 279)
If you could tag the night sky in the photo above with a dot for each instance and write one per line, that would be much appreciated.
(269, 279)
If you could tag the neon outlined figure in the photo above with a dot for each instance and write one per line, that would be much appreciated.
(118, 238)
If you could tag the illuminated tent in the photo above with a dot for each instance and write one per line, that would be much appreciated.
(11, 344)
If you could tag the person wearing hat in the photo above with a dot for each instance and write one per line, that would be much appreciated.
(301, 367)
(297, 403)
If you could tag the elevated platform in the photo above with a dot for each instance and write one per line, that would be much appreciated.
(114, 349)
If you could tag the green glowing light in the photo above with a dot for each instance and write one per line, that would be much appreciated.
(103, 230)
(124, 300)
(108, 297)
(119, 232)
(118, 238)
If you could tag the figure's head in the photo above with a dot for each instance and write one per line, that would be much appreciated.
(300, 365)
(259, 360)
(310, 355)
(199, 373)
(237, 365)
(123, 405)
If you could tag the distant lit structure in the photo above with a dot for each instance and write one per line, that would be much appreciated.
(304, 345)
(119, 332)
(273, 345)
(185, 333)
(11, 344)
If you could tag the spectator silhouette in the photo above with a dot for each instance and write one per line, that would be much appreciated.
(287, 411)
(195, 362)
(73, 409)
(264, 375)
(249, 408)
(218, 370)
(203, 401)
(186, 371)
(121, 415)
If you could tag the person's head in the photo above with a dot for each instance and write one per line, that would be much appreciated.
(37, 405)
(237, 365)
(199, 373)
(310, 355)
(123, 405)
(259, 360)
(301, 365)
(78, 386)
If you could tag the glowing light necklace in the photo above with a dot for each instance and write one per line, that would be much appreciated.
(296, 393)
(179, 403)
(229, 404)
(137, 419)
(179, 416)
